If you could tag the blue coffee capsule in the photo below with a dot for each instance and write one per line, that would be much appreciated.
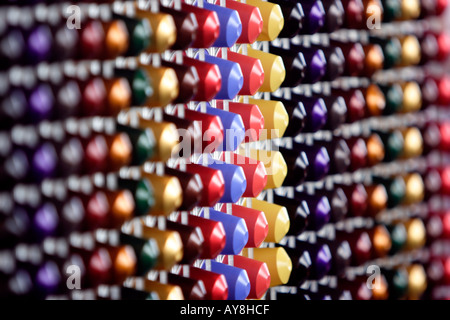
(236, 231)
(230, 25)
(233, 128)
(237, 279)
(235, 181)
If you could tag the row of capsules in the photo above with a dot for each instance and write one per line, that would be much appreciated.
(365, 204)
(130, 138)
(110, 151)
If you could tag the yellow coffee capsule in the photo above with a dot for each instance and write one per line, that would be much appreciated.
(411, 53)
(166, 136)
(273, 20)
(274, 163)
(277, 260)
(165, 85)
(412, 97)
(410, 9)
(413, 143)
(276, 118)
(164, 30)
(417, 281)
(414, 188)
(167, 193)
(276, 216)
(273, 66)
(164, 291)
(416, 234)
(170, 246)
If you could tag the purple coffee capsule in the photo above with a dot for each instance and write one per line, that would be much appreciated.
(321, 258)
(316, 112)
(45, 221)
(335, 62)
(320, 209)
(339, 153)
(318, 158)
(316, 63)
(314, 16)
(341, 255)
(338, 203)
(41, 102)
(39, 44)
(44, 161)
(48, 278)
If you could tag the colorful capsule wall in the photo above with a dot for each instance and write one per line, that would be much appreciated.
(224, 150)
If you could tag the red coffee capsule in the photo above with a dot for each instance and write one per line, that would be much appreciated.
(444, 130)
(100, 267)
(444, 90)
(355, 101)
(212, 129)
(438, 225)
(93, 97)
(252, 22)
(251, 117)
(252, 71)
(209, 76)
(255, 173)
(445, 180)
(92, 39)
(357, 199)
(208, 26)
(354, 14)
(360, 244)
(358, 153)
(256, 222)
(213, 234)
(258, 274)
(215, 284)
(213, 184)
